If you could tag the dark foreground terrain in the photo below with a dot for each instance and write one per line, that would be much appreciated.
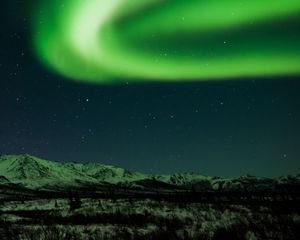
(185, 216)
(48, 200)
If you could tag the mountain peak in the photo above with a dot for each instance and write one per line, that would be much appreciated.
(36, 173)
(22, 167)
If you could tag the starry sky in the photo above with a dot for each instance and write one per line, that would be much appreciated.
(159, 117)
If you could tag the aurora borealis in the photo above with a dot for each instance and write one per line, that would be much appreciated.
(105, 41)
(153, 86)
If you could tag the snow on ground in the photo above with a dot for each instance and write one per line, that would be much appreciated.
(147, 219)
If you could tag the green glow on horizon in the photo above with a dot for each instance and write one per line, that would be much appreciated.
(168, 40)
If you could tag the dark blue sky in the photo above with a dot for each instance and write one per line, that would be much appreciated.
(226, 128)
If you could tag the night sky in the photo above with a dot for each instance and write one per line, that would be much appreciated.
(244, 122)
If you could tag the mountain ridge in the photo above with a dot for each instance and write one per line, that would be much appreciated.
(36, 173)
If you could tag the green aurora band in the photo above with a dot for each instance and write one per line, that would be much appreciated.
(106, 41)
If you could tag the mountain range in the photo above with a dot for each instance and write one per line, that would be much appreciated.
(33, 173)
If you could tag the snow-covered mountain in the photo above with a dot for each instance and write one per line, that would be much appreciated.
(4, 180)
(36, 173)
